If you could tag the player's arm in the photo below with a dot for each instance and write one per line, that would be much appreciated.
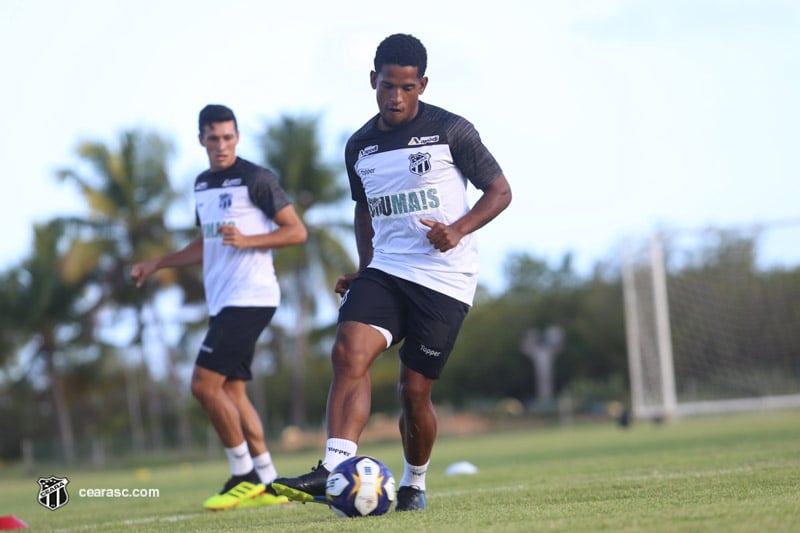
(495, 198)
(191, 254)
(291, 230)
(362, 222)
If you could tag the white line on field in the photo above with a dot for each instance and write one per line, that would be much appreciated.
(678, 475)
(473, 491)
(149, 520)
(133, 522)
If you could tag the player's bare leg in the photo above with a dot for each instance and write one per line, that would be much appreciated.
(349, 399)
(208, 387)
(253, 431)
(418, 428)
(356, 347)
(418, 423)
(250, 422)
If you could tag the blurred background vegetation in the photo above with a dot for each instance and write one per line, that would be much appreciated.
(92, 369)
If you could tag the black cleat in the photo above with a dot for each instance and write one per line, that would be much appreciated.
(306, 488)
(410, 499)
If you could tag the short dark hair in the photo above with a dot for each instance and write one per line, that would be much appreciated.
(404, 50)
(216, 113)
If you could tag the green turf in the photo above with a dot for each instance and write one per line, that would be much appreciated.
(731, 473)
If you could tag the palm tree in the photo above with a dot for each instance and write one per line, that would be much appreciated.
(128, 193)
(292, 150)
(45, 303)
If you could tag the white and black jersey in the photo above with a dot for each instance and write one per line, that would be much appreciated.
(420, 170)
(247, 196)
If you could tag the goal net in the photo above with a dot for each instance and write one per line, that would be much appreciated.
(713, 320)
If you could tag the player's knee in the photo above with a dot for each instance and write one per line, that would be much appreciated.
(351, 362)
(201, 390)
(413, 392)
(197, 390)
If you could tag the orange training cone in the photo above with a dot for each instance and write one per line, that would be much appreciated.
(12, 522)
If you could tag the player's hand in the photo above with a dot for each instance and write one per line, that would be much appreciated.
(441, 236)
(343, 283)
(140, 271)
(231, 236)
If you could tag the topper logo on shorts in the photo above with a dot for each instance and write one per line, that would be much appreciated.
(430, 352)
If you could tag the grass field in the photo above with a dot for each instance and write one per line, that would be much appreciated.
(731, 473)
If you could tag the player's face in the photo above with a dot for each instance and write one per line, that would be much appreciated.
(398, 90)
(220, 140)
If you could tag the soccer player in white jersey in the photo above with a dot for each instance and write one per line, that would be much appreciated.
(409, 167)
(243, 214)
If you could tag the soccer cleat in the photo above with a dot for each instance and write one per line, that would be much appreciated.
(250, 477)
(410, 499)
(235, 490)
(268, 497)
(306, 488)
(233, 497)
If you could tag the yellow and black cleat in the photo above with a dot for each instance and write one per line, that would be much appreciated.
(235, 496)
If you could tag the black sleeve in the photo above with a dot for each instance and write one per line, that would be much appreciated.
(267, 193)
(470, 155)
(357, 192)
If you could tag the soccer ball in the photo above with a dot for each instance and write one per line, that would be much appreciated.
(360, 486)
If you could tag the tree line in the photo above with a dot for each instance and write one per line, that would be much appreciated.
(85, 357)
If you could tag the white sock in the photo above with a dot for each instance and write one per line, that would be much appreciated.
(240, 460)
(414, 476)
(336, 451)
(265, 469)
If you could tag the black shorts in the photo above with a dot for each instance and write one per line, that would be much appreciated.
(428, 320)
(231, 340)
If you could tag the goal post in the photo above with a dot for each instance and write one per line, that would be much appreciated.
(712, 320)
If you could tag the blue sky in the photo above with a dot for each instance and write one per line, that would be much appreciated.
(610, 118)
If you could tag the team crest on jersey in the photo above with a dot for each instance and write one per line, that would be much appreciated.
(367, 150)
(420, 163)
(430, 139)
(225, 200)
(53, 492)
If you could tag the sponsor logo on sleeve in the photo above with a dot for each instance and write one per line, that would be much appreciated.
(367, 150)
(430, 139)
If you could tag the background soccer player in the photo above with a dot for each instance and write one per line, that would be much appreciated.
(243, 214)
(408, 168)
